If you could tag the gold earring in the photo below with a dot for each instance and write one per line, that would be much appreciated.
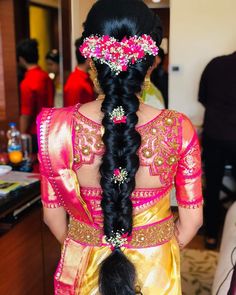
(146, 84)
(93, 68)
(97, 86)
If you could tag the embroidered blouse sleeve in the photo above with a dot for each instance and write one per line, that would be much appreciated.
(188, 177)
(48, 196)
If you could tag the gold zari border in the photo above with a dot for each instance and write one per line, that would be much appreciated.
(142, 237)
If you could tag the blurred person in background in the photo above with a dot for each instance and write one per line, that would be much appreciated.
(159, 76)
(217, 93)
(36, 89)
(53, 68)
(79, 86)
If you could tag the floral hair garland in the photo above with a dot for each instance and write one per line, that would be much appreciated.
(120, 175)
(118, 239)
(118, 115)
(118, 55)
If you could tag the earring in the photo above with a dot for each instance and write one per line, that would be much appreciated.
(96, 83)
(146, 84)
(97, 86)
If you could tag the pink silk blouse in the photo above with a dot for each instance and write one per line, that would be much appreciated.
(170, 149)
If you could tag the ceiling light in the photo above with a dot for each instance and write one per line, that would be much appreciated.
(156, 1)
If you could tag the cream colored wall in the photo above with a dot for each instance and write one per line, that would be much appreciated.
(199, 31)
(79, 11)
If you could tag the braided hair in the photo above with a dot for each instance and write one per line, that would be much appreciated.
(118, 19)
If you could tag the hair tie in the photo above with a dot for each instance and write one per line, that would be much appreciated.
(118, 115)
(120, 175)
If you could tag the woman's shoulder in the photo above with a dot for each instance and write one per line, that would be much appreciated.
(170, 120)
(181, 117)
(150, 113)
(56, 115)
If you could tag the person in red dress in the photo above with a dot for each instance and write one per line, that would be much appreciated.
(79, 87)
(36, 89)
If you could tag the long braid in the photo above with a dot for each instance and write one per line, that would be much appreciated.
(122, 142)
(119, 19)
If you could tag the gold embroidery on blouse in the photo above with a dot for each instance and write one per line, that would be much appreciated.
(161, 144)
(159, 150)
(88, 142)
(172, 160)
(147, 153)
(77, 158)
(148, 236)
(86, 150)
(169, 121)
(154, 131)
(79, 128)
(99, 145)
(158, 161)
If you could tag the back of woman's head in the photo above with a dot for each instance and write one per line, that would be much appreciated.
(120, 19)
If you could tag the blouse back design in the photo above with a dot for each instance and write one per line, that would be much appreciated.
(169, 149)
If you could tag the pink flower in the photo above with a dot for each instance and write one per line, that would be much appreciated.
(106, 38)
(116, 172)
(120, 120)
(118, 55)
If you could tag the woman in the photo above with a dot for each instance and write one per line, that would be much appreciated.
(111, 164)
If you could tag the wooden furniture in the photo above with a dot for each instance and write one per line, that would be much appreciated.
(29, 253)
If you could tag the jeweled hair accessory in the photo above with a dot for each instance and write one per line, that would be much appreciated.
(118, 115)
(120, 175)
(118, 55)
(118, 239)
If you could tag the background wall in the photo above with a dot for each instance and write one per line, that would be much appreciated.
(199, 31)
(9, 105)
(79, 11)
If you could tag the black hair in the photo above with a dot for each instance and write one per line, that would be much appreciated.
(118, 19)
(79, 57)
(28, 49)
(53, 55)
(161, 54)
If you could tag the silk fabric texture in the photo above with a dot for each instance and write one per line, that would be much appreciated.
(158, 270)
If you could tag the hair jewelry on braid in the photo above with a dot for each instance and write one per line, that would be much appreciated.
(119, 19)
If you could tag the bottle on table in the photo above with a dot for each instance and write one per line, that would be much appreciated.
(14, 146)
